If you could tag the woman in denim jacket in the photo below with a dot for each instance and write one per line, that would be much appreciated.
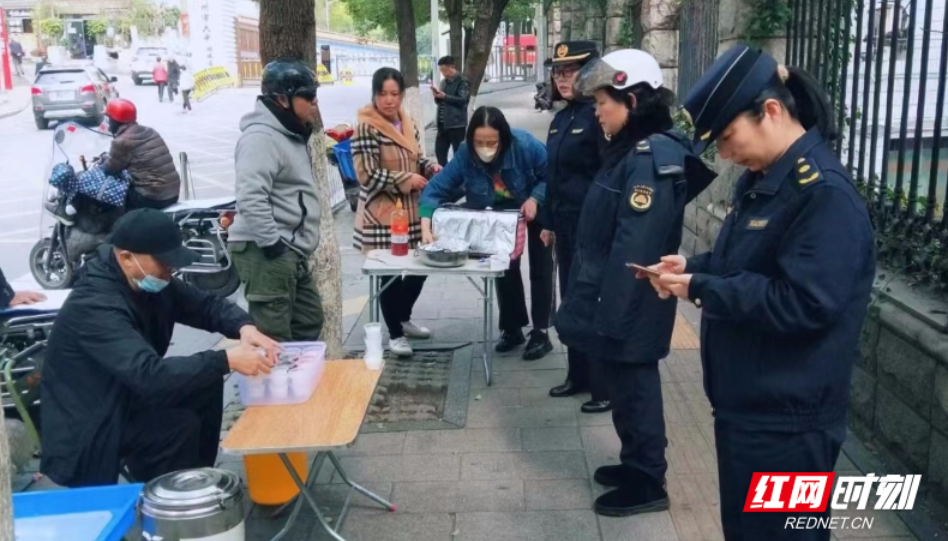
(503, 169)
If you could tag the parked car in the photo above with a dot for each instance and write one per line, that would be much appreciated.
(71, 92)
(144, 61)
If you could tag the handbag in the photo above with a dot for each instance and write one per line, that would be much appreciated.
(488, 232)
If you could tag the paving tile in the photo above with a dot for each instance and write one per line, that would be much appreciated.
(479, 416)
(694, 490)
(532, 525)
(459, 496)
(551, 439)
(522, 378)
(884, 524)
(538, 396)
(497, 397)
(600, 440)
(464, 440)
(684, 367)
(394, 527)
(402, 468)
(554, 494)
(687, 451)
(845, 466)
(504, 363)
(651, 526)
(539, 465)
(382, 443)
(676, 407)
(666, 374)
(696, 523)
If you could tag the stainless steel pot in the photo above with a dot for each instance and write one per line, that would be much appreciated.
(195, 505)
(443, 258)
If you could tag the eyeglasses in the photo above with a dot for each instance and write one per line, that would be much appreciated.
(564, 73)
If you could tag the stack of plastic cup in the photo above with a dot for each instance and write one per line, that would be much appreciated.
(373, 346)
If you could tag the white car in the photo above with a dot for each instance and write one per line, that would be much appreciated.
(144, 61)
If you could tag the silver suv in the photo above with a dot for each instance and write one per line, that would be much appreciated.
(81, 92)
(144, 62)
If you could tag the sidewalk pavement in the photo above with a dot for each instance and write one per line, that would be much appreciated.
(15, 101)
(521, 468)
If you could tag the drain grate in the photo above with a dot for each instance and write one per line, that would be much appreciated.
(413, 389)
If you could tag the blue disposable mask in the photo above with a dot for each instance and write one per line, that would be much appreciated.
(149, 284)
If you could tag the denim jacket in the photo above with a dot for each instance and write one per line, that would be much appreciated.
(523, 172)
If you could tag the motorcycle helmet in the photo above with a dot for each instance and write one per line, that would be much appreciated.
(121, 111)
(288, 78)
(620, 70)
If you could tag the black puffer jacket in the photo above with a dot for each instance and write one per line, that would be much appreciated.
(140, 150)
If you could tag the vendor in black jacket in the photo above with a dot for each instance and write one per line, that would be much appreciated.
(633, 213)
(11, 299)
(109, 396)
(786, 289)
(572, 147)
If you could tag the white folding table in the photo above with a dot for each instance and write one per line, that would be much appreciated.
(381, 263)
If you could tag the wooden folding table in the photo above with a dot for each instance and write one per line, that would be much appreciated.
(329, 420)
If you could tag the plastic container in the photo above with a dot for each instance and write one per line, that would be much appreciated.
(78, 508)
(291, 382)
(268, 482)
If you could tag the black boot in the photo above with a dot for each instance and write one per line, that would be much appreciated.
(642, 494)
(609, 476)
(567, 389)
(596, 406)
(538, 346)
(509, 340)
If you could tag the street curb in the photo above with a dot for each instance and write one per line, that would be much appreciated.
(15, 112)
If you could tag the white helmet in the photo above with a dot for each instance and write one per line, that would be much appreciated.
(620, 70)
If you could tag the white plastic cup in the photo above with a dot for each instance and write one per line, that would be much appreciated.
(300, 380)
(279, 383)
(256, 388)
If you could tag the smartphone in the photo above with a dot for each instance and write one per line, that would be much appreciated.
(646, 270)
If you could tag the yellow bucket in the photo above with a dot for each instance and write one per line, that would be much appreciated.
(268, 481)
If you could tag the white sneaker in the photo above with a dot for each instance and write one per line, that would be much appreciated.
(400, 347)
(412, 330)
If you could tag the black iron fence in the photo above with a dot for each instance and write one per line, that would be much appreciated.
(884, 63)
(697, 41)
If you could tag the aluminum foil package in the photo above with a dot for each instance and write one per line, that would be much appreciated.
(488, 232)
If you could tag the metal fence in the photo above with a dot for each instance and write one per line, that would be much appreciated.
(511, 63)
(697, 41)
(884, 64)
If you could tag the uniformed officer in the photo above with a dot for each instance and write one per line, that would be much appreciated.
(633, 213)
(572, 147)
(785, 290)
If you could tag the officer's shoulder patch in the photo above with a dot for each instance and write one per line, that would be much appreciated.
(554, 130)
(806, 172)
(643, 147)
(641, 199)
(667, 155)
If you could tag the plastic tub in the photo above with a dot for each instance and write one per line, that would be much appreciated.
(102, 513)
(286, 384)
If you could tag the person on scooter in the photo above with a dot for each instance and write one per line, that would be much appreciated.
(142, 152)
(110, 396)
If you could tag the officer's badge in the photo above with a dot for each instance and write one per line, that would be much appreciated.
(562, 50)
(641, 199)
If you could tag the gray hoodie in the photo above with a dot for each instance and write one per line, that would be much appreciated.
(276, 192)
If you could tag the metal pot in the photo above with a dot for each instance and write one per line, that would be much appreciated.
(202, 504)
(443, 258)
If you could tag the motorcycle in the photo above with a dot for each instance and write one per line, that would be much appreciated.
(66, 244)
(339, 154)
(543, 98)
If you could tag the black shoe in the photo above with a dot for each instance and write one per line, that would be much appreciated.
(647, 497)
(538, 346)
(609, 476)
(509, 341)
(596, 406)
(567, 389)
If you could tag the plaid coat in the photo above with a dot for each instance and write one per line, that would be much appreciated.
(384, 160)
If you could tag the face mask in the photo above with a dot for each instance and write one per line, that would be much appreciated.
(149, 284)
(486, 154)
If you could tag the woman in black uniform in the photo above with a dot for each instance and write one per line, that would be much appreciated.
(785, 291)
(633, 213)
(572, 147)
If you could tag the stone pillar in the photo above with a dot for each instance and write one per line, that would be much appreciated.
(660, 36)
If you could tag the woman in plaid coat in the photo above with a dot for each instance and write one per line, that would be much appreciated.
(390, 165)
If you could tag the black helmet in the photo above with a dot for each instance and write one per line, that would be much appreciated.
(288, 78)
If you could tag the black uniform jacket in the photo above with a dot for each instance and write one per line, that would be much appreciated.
(785, 292)
(632, 214)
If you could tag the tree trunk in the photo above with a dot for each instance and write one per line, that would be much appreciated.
(6, 490)
(455, 12)
(485, 28)
(408, 59)
(288, 30)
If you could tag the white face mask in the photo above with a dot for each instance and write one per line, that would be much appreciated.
(486, 154)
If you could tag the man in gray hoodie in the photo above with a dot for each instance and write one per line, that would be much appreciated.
(277, 225)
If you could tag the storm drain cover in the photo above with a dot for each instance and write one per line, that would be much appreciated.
(424, 391)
